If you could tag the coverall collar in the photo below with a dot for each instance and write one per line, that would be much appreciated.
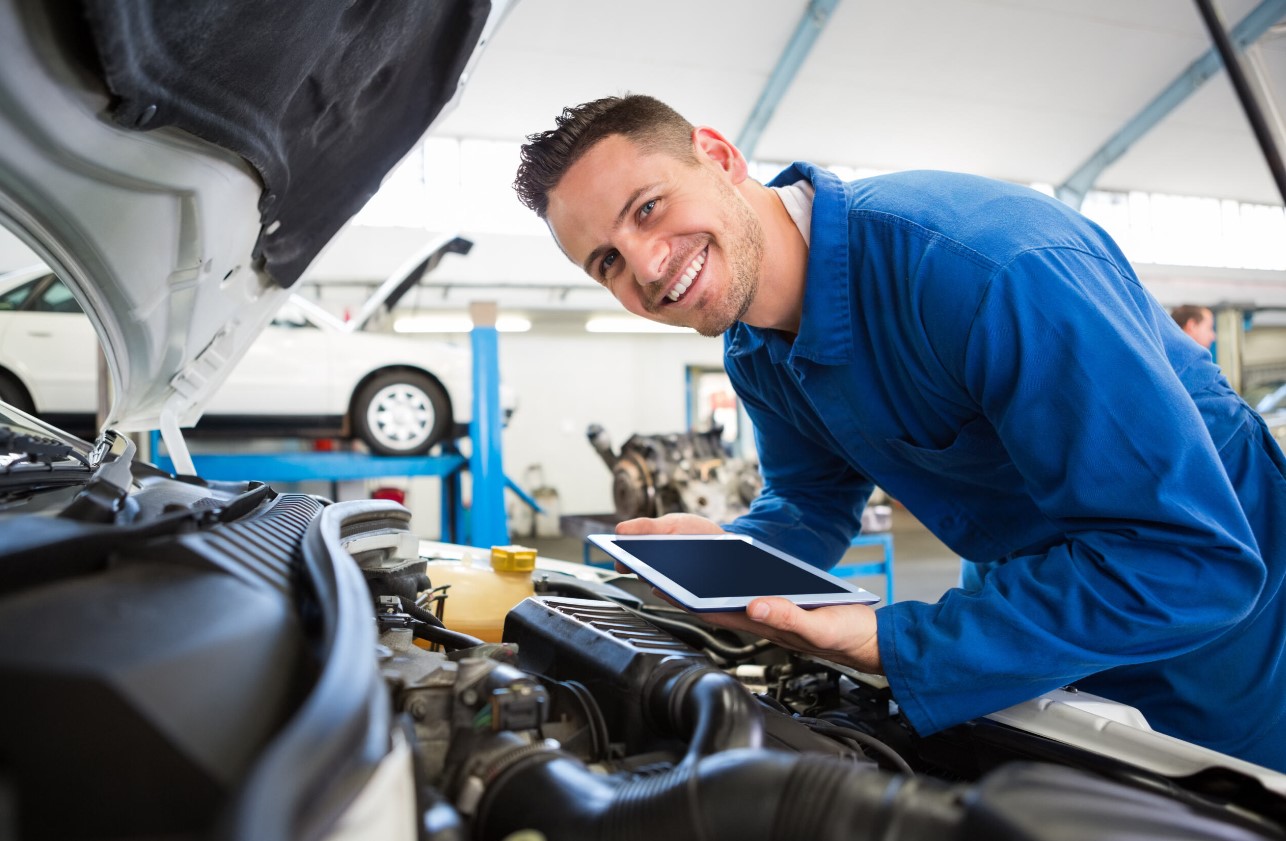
(824, 334)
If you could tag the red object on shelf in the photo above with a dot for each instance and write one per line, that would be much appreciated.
(395, 494)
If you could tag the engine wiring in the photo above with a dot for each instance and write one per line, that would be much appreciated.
(847, 735)
(596, 724)
(428, 627)
(677, 622)
(438, 597)
(858, 739)
(707, 641)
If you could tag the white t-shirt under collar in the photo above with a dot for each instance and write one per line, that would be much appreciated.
(798, 200)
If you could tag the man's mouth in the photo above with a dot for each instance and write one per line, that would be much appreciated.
(689, 275)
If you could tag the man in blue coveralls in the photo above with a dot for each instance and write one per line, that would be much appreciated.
(987, 356)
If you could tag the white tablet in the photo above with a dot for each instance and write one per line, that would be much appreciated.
(714, 572)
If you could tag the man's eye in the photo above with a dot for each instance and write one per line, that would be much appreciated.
(608, 259)
(647, 209)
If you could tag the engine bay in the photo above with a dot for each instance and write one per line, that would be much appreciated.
(214, 664)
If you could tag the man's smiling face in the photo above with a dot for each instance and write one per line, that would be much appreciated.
(673, 240)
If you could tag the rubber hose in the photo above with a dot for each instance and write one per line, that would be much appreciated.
(450, 640)
(713, 711)
(740, 795)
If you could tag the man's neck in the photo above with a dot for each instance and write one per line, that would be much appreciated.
(779, 300)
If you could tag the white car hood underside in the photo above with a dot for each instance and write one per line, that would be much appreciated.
(154, 231)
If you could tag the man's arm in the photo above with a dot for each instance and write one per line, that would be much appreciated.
(1065, 359)
(812, 500)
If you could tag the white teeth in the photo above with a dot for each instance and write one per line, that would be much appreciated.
(682, 286)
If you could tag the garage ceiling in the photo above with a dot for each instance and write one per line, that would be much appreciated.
(1024, 90)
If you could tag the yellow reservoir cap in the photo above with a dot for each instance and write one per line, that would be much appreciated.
(513, 559)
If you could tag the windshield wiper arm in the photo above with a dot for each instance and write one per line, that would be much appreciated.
(36, 449)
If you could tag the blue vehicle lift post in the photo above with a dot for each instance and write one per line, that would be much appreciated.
(487, 525)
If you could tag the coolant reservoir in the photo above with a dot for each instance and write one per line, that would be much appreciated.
(483, 592)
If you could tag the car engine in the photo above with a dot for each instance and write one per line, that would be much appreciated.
(654, 475)
(220, 660)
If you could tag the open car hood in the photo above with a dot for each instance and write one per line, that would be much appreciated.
(180, 164)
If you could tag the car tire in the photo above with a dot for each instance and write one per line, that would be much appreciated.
(401, 413)
(12, 392)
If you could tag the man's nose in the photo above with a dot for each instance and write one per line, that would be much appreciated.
(647, 256)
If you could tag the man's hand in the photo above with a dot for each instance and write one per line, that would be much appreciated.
(669, 524)
(841, 633)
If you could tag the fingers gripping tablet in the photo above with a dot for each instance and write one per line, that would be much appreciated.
(714, 572)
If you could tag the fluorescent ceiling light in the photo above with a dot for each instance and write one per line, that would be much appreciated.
(456, 324)
(630, 324)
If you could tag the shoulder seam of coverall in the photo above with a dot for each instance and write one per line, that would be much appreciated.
(1003, 267)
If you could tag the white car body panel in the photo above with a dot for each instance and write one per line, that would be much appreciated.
(282, 355)
(54, 355)
(289, 370)
(1121, 732)
(62, 354)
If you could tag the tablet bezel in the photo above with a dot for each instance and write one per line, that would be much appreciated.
(607, 542)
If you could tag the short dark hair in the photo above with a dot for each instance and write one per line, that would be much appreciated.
(547, 155)
(1188, 312)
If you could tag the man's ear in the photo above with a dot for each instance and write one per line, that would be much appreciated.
(712, 146)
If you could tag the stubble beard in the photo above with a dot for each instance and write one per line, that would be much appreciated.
(744, 253)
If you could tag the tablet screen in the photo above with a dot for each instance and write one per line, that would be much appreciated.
(726, 568)
(706, 572)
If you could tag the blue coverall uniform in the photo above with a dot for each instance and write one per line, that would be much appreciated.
(987, 356)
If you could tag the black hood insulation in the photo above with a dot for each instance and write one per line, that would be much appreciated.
(322, 98)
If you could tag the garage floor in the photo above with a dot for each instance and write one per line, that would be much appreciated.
(923, 567)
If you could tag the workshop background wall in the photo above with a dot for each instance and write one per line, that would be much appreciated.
(1266, 346)
(625, 383)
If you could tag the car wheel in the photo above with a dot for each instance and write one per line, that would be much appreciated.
(12, 392)
(401, 413)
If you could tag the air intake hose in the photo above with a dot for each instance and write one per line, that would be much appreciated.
(711, 709)
(744, 795)
(750, 795)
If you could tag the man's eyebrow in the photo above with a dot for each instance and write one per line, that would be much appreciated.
(620, 217)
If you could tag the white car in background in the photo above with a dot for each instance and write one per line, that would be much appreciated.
(309, 373)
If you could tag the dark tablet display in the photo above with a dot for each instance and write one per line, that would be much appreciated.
(724, 572)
